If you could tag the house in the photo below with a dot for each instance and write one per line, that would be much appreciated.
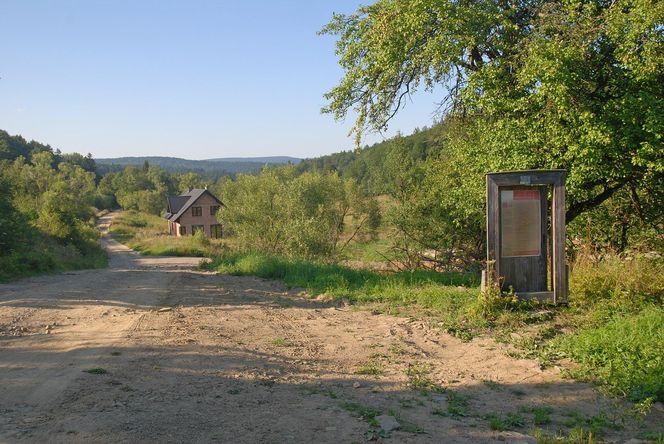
(195, 210)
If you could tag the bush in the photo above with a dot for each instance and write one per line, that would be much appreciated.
(626, 282)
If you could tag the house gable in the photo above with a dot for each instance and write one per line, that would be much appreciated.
(186, 201)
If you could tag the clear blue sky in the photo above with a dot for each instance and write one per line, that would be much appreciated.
(192, 79)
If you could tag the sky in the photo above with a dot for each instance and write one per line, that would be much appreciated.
(192, 79)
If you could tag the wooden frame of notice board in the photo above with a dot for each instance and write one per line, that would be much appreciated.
(516, 220)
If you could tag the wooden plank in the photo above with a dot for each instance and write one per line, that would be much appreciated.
(533, 177)
(559, 236)
(542, 296)
(492, 223)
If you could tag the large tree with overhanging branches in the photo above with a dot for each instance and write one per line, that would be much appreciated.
(573, 84)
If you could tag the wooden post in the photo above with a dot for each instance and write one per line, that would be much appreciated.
(492, 225)
(559, 236)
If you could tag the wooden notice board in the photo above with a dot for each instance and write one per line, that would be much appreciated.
(518, 216)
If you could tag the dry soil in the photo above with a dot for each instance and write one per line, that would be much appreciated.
(151, 350)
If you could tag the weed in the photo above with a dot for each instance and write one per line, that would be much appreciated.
(624, 354)
(493, 385)
(280, 342)
(541, 414)
(495, 423)
(418, 378)
(457, 405)
(405, 425)
(363, 412)
(370, 368)
(397, 348)
(519, 393)
(657, 437)
(439, 412)
(116, 353)
(578, 435)
(514, 421)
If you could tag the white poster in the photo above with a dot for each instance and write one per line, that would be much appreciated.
(520, 223)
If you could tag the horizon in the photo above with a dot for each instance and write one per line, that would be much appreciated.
(164, 79)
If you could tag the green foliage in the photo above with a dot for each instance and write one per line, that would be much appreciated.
(42, 254)
(11, 221)
(626, 354)
(361, 411)
(574, 85)
(279, 212)
(457, 404)
(46, 218)
(625, 282)
(142, 190)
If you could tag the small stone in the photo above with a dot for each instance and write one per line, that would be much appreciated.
(165, 309)
(387, 423)
(356, 385)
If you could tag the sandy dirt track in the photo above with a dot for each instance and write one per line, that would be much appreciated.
(187, 356)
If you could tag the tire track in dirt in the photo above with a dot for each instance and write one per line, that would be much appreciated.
(211, 367)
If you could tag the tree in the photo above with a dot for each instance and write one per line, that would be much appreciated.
(11, 221)
(279, 212)
(572, 84)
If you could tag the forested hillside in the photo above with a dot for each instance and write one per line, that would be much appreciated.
(46, 209)
(211, 169)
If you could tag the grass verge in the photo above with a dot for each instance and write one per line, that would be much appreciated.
(148, 234)
(448, 293)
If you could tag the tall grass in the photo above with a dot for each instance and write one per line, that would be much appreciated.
(624, 282)
(445, 292)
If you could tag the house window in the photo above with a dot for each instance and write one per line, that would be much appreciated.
(183, 230)
(214, 209)
(196, 211)
(216, 231)
(196, 228)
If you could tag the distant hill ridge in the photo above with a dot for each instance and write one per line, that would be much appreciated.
(207, 167)
(139, 160)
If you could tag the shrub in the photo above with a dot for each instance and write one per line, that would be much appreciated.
(627, 282)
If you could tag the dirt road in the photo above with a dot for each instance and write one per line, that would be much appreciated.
(150, 350)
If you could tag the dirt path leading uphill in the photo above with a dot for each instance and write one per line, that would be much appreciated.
(183, 356)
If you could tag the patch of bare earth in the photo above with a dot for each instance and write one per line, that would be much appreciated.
(152, 351)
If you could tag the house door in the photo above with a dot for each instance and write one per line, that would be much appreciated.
(523, 238)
